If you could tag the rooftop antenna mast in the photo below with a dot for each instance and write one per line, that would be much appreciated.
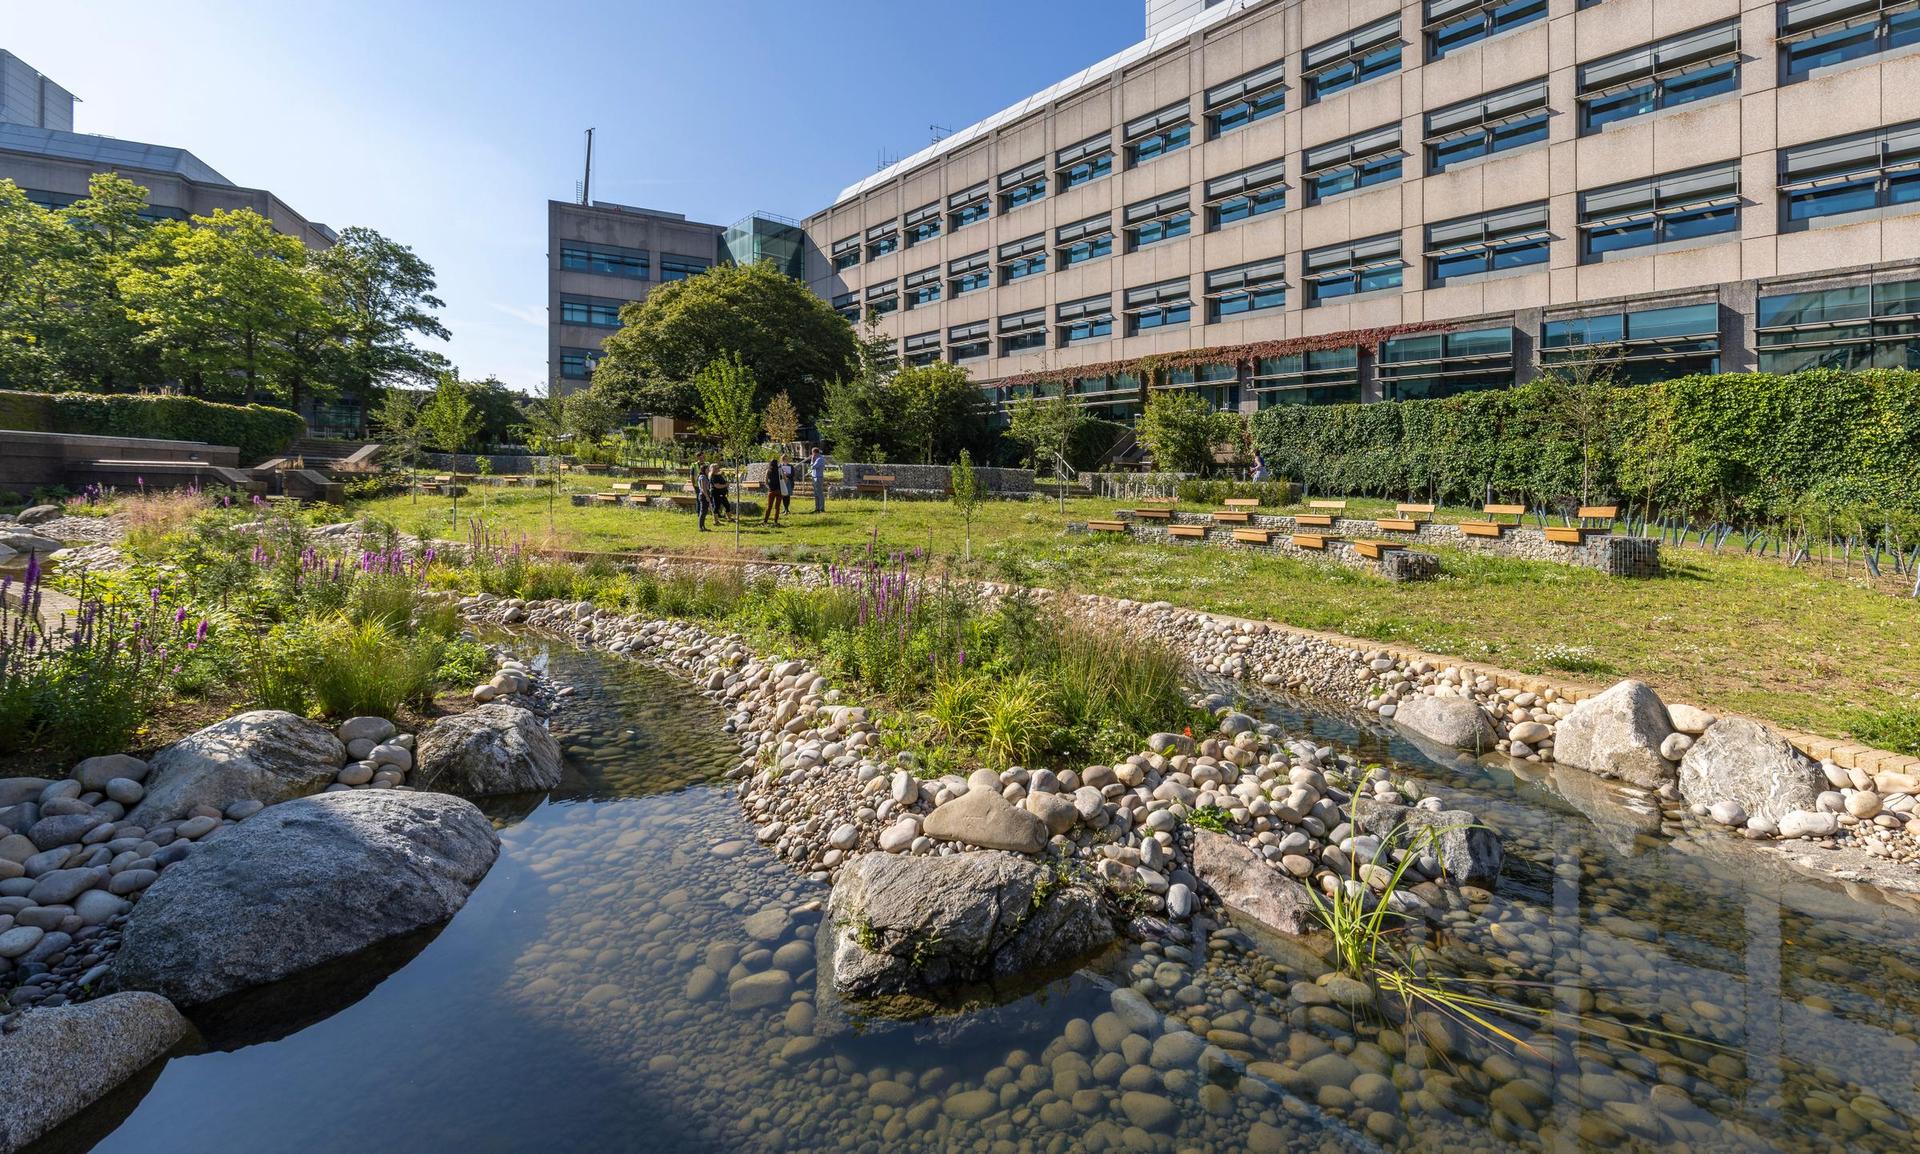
(586, 183)
(939, 132)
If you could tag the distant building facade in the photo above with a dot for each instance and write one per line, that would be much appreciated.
(40, 152)
(1351, 200)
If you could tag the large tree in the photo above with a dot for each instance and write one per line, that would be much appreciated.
(787, 338)
(221, 298)
(380, 297)
(1182, 431)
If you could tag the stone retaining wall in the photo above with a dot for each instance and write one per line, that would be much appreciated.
(1613, 555)
(1398, 565)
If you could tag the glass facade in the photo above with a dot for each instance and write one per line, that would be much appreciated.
(1818, 35)
(762, 237)
(1456, 24)
(630, 263)
(1832, 181)
(597, 313)
(1318, 377)
(1859, 326)
(1637, 347)
(681, 267)
(1217, 385)
(1498, 122)
(1444, 364)
(1703, 202)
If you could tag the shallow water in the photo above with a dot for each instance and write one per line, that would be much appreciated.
(1706, 1004)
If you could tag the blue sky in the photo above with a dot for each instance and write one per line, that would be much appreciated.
(449, 125)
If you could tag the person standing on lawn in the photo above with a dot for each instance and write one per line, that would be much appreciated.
(817, 469)
(773, 491)
(699, 479)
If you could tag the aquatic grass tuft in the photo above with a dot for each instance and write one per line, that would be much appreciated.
(1016, 720)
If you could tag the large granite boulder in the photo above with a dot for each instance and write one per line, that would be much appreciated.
(1618, 734)
(1250, 887)
(59, 1061)
(37, 514)
(1467, 852)
(495, 749)
(267, 755)
(302, 883)
(900, 924)
(981, 817)
(27, 543)
(1455, 722)
(1746, 762)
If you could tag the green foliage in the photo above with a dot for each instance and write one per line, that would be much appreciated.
(782, 421)
(1208, 817)
(1047, 427)
(966, 494)
(1016, 719)
(1896, 729)
(592, 413)
(258, 431)
(786, 337)
(1272, 493)
(1748, 447)
(1358, 914)
(448, 420)
(918, 415)
(1180, 430)
(726, 390)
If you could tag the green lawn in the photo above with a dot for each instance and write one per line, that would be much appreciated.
(1721, 631)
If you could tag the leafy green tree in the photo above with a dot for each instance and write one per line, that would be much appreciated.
(782, 421)
(96, 341)
(447, 423)
(29, 237)
(966, 495)
(592, 413)
(381, 297)
(939, 413)
(786, 337)
(546, 433)
(499, 408)
(219, 297)
(396, 421)
(726, 411)
(1181, 431)
(1046, 426)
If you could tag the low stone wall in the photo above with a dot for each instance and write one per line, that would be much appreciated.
(30, 461)
(1613, 555)
(470, 462)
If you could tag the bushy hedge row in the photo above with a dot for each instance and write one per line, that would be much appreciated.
(1737, 446)
(258, 431)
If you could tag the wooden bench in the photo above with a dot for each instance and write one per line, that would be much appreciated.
(1323, 519)
(1242, 502)
(1233, 517)
(1314, 540)
(1492, 527)
(607, 498)
(655, 487)
(1578, 534)
(1106, 526)
(875, 483)
(1410, 518)
(1154, 514)
(1374, 550)
(1169, 502)
(1254, 536)
(1188, 532)
(683, 501)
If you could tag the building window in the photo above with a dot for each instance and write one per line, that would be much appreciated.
(1319, 377)
(1361, 55)
(1085, 162)
(577, 364)
(967, 342)
(969, 206)
(846, 253)
(1247, 288)
(1513, 238)
(1666, 74)
(1166, 305)
(1455, 24)
(1218, 385)
(599, 314)
(1023, 185)
(1851, 177)
(1112, 397)
(1637, 347)
(1352, 164)
(1151, 137)
(1818, 35)
(1345, 270)
(1023, 332)
(1683, 206)
(847, 304)
(1090, 319)
(923, 287)
(1023, 258)
(1497, 122)
(969, 274)
(883, 298)
(882, 239)
(681, 267)
(1246, 194)
(1862, 326)
(921, 348)
(1163, 218)
(1255, 96)
(630, 263)
(923, 224)
(1085, 240)
(1443, 364)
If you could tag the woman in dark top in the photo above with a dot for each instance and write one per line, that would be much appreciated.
(723, 507)
(773, 491)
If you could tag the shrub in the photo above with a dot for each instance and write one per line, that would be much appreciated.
(1270, 493)
(258, 431)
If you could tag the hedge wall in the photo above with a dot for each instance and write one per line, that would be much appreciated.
(258, 431)
(1739, 446)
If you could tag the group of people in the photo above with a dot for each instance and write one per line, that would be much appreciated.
(710, 488)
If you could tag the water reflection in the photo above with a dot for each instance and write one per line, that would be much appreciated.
(637, 974)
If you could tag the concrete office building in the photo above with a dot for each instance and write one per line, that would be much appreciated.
(1346, 200)
(40, 152)
(601, 256)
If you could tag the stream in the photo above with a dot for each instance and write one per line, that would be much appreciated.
(590, 997)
